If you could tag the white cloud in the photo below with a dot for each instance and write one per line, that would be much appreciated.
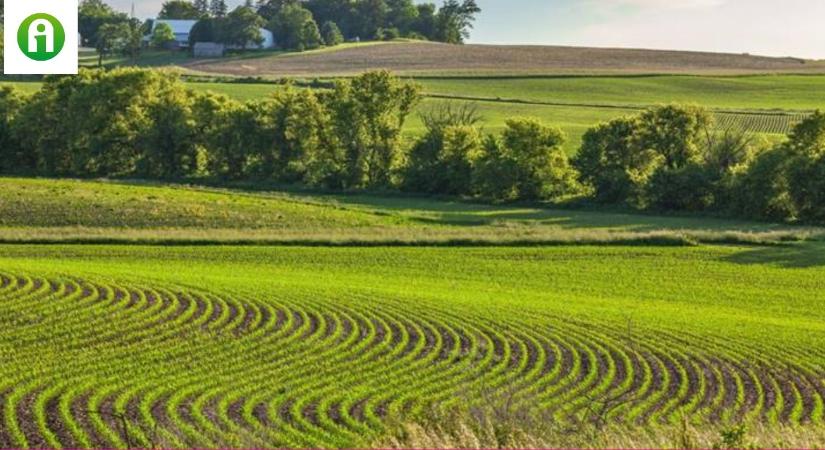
(753, 26)
(662, 4)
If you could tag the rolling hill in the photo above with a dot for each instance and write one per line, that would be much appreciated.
(439, 59)
(41, 210)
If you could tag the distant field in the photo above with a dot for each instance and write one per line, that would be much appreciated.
(762, 104)
(215, 347)
(83, 211)
(772, 92)
(443, 59)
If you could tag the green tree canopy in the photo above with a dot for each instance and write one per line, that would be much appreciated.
(536, 165)
(162, 35)
(288, 26)
(112, 37)
(455, 20)
(93, 14)
(218, 8)
(331, 34)
(179, 10)
(242, 27)
(202, 6)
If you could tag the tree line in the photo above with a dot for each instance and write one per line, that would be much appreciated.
(295, 24)
(349, 136)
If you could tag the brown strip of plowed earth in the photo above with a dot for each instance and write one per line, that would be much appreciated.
(81, 413)
(163, 420)
(422, 57)
(57, 425)
(28, 422)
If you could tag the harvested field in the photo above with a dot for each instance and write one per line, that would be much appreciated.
(308, 347)
(433, 58)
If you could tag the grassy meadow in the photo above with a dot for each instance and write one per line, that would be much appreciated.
(42, 210)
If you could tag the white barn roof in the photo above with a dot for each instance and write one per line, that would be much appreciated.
(177, 26)
(182, 28)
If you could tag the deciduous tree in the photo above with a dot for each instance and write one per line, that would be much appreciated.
(179, 10)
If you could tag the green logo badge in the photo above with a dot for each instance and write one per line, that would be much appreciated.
(41, 37)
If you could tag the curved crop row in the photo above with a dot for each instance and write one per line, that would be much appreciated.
(95, 363)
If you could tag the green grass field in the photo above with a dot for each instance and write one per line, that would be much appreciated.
(320, 347)
(756, 92)
(38, 210)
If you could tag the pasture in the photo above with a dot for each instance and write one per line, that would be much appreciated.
(40, 210)
(110, 346)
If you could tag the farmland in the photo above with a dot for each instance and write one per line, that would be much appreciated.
(768, 104)
(421, 58)
(256, 346)
(208, 313)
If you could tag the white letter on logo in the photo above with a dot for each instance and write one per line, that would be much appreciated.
(41, 27)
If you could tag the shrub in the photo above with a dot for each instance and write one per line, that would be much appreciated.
(387, 34)
(612, 165)
(675, 132)
(331, 34)
(688, 188)
(425, 169)
(527, 163)
(367, 115)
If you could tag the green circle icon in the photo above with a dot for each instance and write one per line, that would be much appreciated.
(41, 37)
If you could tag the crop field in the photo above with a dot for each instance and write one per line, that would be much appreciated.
(375, 313)
(768, 105)
(755, 92)
(113, 346)
(425, 58)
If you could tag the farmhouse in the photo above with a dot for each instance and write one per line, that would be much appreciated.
(182, 28)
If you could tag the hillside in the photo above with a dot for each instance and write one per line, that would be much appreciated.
(432, 58)
(38, 210)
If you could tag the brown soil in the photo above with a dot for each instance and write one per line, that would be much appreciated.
(436, 58)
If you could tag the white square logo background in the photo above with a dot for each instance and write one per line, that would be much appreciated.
(15, 62)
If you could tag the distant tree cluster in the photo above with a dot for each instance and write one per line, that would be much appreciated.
(239, 28)
(670, 158)
(109, 31)
(152, 126)
(296, 24)
(307, 24)
(376, 19)
(350, 137)
(454, 157)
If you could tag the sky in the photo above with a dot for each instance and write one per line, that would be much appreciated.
(761, 27)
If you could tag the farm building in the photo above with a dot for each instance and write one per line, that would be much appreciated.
(208, 50)
(182, 28)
